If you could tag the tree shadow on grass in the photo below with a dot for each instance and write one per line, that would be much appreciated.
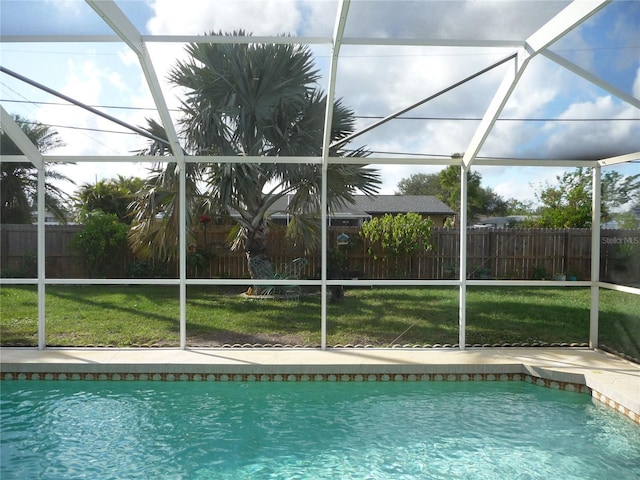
(375, 317)
(88, 302)
(499, 322)
(10, 339)
(385, 316)
(231, 319)
(354, 321)
(83, 300)
(620, 333)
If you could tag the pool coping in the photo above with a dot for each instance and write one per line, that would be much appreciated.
(609, 379)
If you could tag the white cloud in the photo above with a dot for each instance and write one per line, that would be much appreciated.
(165, 57)
(128, 57)
(381, 80)
(520, 183)
(67, 7)
(539, 86)
(393, 174)
(268, 17)
(449, 19)
(599, 140)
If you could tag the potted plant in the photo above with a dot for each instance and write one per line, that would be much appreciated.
(560, 277)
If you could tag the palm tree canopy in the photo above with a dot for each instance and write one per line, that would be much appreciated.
(263, 100)
(19, 181)
(110, 196)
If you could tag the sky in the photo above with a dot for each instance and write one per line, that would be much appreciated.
(546, 116)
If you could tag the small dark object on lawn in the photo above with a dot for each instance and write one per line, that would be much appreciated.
(337, 294)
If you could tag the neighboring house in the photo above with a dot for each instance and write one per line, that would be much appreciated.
(501, 222)
(49, 219)
(366, 208)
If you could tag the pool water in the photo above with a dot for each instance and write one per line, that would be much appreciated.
(311, 430)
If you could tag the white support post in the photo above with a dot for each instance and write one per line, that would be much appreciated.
(183, 255)
(323, 268)
(42, 340)
(595, 258)
(462, 318)
(343, 9)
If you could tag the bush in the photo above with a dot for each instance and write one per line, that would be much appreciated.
(398, 237)
(147, 269)
(27, 268)
(102, 239)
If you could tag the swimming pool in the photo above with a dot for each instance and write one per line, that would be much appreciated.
(380, 430)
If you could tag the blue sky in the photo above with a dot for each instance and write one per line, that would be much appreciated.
(372, 80)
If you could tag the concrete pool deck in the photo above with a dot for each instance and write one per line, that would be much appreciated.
(610, 379)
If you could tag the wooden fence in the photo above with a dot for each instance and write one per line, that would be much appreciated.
(491, 253)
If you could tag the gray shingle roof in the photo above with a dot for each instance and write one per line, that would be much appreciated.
(424, 204)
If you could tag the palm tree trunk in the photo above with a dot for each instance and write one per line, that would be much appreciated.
(255, 243)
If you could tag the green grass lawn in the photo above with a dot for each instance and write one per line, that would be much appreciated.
(148, 316)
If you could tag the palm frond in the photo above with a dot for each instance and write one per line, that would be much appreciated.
(19, 181)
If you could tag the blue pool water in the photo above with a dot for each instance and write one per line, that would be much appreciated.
(383, 430)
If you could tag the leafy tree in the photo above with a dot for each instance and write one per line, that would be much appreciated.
(568, 204)
(492, 203)
(630, 219)
(627, 221)
(618, 190)
(249, 100)
(397, 238)
(564, 209)
(110, 196)
(19, 181)
(420, 184)
(519, 207)
(445, 185)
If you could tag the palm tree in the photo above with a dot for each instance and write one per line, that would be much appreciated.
(111, 196)
(19, 181)
(257, 100)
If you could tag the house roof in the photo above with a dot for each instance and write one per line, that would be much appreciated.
(365, 206)
(425, 204)
(503, 220)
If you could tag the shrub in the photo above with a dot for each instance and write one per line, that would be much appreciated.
(147, 269)
(102, 239)
(397, 237)
(27, 268)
